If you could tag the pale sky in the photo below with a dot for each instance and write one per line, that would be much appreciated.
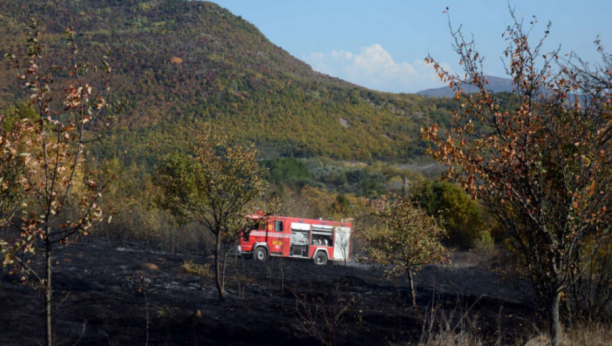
(381, 44)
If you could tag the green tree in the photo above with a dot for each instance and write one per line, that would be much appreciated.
(406, 239)
(55, 172)
(544, 168)
(286, 170)
(216, 185)
(458, 213)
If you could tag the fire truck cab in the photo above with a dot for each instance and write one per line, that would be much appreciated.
(284, 236)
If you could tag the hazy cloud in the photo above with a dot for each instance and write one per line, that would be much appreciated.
(374, 68)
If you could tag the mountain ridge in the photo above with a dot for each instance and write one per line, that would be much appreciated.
(496, 84)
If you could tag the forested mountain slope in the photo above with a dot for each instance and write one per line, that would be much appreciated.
(181, 63)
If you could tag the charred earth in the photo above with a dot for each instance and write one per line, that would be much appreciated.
(127, 295)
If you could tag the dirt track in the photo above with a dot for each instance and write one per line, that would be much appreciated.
(99, 291)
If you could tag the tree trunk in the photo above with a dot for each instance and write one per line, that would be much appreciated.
(553, 319)
(218, 280)
(173, 241)
(48, 288)
(412, 287)
(224, 266)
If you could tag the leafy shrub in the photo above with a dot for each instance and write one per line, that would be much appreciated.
(458, 213)
(484, 245)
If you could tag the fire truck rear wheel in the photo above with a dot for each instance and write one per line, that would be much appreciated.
(260, 254)
(320, 258)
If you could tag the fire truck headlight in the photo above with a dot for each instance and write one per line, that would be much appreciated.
(239, 248)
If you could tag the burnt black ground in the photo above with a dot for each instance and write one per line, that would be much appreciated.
(100, 301)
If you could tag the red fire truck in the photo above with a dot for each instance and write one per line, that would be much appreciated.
(284, 236)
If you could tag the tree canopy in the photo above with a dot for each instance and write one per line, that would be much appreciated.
(458, 213)
(215, 184)
(406, 240)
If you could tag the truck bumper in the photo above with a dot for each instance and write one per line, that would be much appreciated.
(242, 253)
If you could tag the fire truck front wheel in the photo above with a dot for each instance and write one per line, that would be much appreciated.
(320, 258)
(260, 254)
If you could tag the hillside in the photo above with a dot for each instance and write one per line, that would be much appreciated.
(178, 64)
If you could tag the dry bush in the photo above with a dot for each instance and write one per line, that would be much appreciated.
(445, 334)
(596, 335)
(447, 338)
(156, 229)
(240, 278)
(484, 247)
(132, 214)
(202, 270)
(463, 259)
(590, 293)
(322, 314)
(452, 327)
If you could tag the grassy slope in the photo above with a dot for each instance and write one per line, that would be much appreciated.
(230, 74)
